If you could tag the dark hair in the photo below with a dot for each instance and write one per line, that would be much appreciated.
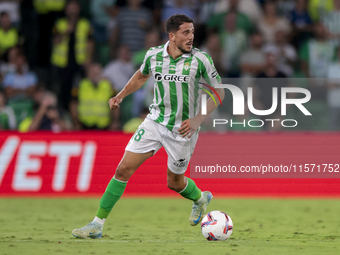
(173, 23)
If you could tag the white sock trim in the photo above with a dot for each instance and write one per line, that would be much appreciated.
(200, 200)
(99, 220)
(119, 180)
(185, 186)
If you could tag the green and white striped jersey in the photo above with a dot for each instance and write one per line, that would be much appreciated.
(177, 88)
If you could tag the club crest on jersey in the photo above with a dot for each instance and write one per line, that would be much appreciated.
(171, 77)
(186, 66)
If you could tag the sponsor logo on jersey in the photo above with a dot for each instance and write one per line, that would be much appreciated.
(181, 162)
(158, 76)
(171, 77)
(159, 63)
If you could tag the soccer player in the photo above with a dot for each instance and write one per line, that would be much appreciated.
(173, 121)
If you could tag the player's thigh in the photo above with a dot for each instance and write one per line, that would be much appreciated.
(179, 150)
(146, 138)
(142, 145)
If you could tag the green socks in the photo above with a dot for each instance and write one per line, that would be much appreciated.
(116, 188)
(191, 191)
(113, 192)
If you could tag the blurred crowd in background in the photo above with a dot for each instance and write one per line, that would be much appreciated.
(61, 61)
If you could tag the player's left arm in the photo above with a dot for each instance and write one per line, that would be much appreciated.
(209, 73)
(190, 126)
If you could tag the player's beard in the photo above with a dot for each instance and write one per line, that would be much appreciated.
(183, 50)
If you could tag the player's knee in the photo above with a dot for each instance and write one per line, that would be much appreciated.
(123, 172)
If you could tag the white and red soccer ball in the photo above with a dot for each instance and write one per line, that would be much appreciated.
(216, 226)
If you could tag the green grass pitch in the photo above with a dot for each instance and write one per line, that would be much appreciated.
(160, 226)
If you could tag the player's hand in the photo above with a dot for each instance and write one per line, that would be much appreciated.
(189, 127)
(114, 102)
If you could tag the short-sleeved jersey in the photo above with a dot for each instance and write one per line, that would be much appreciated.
(177, 84)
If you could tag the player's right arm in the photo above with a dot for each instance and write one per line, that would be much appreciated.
(135, 83)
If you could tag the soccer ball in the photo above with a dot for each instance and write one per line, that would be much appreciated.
(217, 226)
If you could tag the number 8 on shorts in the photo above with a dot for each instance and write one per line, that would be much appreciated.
(139, 134)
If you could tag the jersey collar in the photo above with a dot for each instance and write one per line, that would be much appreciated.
(165, 51)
